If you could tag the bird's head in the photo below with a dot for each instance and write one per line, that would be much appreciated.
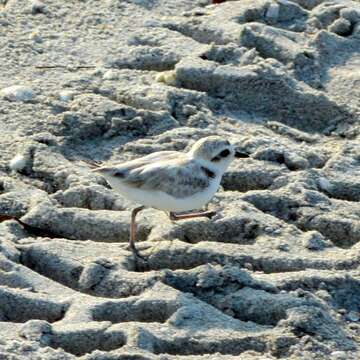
(216, 152)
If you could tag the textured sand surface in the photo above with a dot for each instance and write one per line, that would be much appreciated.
(276, 274)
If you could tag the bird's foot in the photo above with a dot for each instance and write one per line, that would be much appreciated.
(136, 253)
(208, 214)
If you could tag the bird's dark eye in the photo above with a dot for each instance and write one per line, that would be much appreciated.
(224, 153)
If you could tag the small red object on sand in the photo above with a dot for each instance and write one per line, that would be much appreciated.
(218, 1)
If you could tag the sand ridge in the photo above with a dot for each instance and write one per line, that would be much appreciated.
(275, 274)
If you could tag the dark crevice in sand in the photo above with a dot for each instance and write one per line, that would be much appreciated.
(236, 346)
(158, 311)
(191, 33)
(345, 193)
(84, 342)
(297, 215)
(72, 277)
(30, 305)
(282, 263)
(116, 80)
(69, 279)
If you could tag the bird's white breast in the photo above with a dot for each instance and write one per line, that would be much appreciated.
(163, 201)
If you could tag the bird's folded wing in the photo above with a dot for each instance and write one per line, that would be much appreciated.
(177, 177)
(127, 166)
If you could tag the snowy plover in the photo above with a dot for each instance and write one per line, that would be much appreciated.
(172, 181)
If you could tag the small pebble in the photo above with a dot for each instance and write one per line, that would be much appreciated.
(269, 229)
(66, 95)
(338, 355)
(354, 326)
(18, 163)
(283, 247)
(325, 184)
(340, 27)
(314, 241)
(295, 162)
(272, 13)
(17, 93)
(167, 77)
(353, 316)
(110, 75)
(249, 266)
(38, 7)
(323, 294)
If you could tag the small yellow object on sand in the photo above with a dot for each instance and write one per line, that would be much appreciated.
(167, 77)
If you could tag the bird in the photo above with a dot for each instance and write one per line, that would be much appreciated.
(172, 181)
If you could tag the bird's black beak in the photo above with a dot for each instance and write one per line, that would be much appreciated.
(241, 154)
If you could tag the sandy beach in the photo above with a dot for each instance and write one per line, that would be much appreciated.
(275, 274)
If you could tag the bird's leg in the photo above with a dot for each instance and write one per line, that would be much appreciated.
(133, 230)
(208, 214)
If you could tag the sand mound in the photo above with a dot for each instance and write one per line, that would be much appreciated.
(275, 274)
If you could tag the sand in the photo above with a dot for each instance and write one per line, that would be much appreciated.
(275, 274)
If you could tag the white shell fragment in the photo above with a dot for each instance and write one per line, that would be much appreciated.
(17, 93)
(18, 163)
(110, 75)
(272, 12)
(167, 77)
(325, 184)
(66, 95)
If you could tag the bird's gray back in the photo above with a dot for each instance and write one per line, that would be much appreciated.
(179, 177)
